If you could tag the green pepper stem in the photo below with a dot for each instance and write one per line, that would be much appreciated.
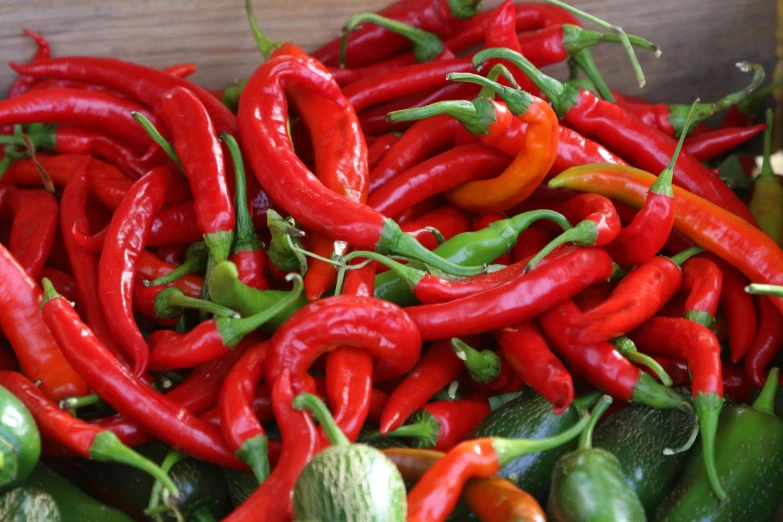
(483, 366)
(73, 403)
(585, 233)
(255, 453)
(464, 9)
(686, 254)
(584, 59)
(663, 185)
(476, 116)
(156, 136)
(219, 245)
(651, 393)
(195, 262)
(616, 29)
(510, 449)
(232, 94)
(701, 317)
(169, 461)
(497, 70)
(264, 44)
(280, 253)
(106, 447)
(407, 273)
(765, 402)
(586, 437)
(577, 39)
(587, 401)
(766, 166)
(517, 101)
(233, 330)
(308, 401)
(708, 407)
(703, 111)
(759, 289)
(171, 302)
(750, 104)
(627, 347)
(424, 428)
(245, 237)
(426, 46)
(49, 292)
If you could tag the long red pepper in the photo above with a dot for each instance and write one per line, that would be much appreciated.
(144, 84)
(702, 282)
(33, 228)
(529, 355)
(710, 145)
(289, 182)
(559, 277)
(684, 339)
(103, 112)
(637, 298)
(116, 385)
(21, 323)
(125, 241)
(436, 368)
(625, 134)
(24, 83)
(766, 344)
(377, 151)
(300, 444)
(321, 326)
(432, 499)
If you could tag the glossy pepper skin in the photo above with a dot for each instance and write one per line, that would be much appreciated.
(710, 145)
(767, 343)
(33, 344)
(558, 278)
(394, 341)
(626, 135)
(33, 228)
(124, 244)
(114, 383)
(731, 238)
(749, 464)
(24, 83)
(702, 282)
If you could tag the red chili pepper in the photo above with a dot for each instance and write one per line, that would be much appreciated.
(685, 339)
(447, 220)
(710, 145)
(33, 345)
(528, 353)
(63, 282)
(373, 43)
(702, 281)
(33, 228)
(735, 384)
(346, 76)
(151, 267)
(144, 84)
(294, 187)
(379, 148)
(432, 498)
(530, 242)
(603, 366)
(125, 241)
(175, 225)
(440, 173)
(557, 278)
(436, 368)
(637, 298)
(300, 444)
(24, 83)
(181, 70)
(172, 254)
(441, 425)
(649, 148)
(103, 112)
(319, 327)
(766, 344)
(502, 32)
(117, 386)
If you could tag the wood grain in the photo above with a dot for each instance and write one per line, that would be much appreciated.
(701, 39)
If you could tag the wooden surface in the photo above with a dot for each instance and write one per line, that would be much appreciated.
(701, 39)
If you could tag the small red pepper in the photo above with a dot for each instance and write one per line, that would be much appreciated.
(702, 282)
(766, 344)
(708, 146)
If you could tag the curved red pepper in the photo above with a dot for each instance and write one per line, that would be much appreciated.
(319, 327)
(446, 219)
(24, 83)
(33, 228)
(708, 146)
(766, 344)
(377, 151)
(528, 353)
(76, 140)
(124, 244)
(738, 306)
(702, 281)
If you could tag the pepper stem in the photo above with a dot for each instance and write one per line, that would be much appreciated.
(750, 104)
(233, 330)
(708, 406)
(517, 101)
(587, 401)
(510, 449)
(426, 46)
(577, 39)
(245, 237)
(483, 366)
(497, 70)
(476, 116)
(171, 302)
(106, 447)
(424, 428)
(585, 233)
(264, 44)
(156, 136)
(280, 253)
(195, 262)
(308, 401)
(255, 453)
(765, 402)
(586, 438)
(663, 185)
(759, 289)
(699, 316)
(614, 28)
(73, 403)
(169, 461)
(407, 273)
(627, 347)
(686, 254)
(703, 111)
(651, 393)
(49, 292)
(464, 9)
(232, 94)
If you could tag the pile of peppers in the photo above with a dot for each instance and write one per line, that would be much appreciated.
(410, 240)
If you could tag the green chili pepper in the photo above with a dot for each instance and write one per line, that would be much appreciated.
(20, 443)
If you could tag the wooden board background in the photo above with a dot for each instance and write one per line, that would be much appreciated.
(701, 39)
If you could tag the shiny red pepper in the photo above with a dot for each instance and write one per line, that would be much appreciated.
(766, 344)
(24, 83)
(708, 146)
(35, 217)
(448, 220)
(379, 148)
(63, 282)
(702, 281)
